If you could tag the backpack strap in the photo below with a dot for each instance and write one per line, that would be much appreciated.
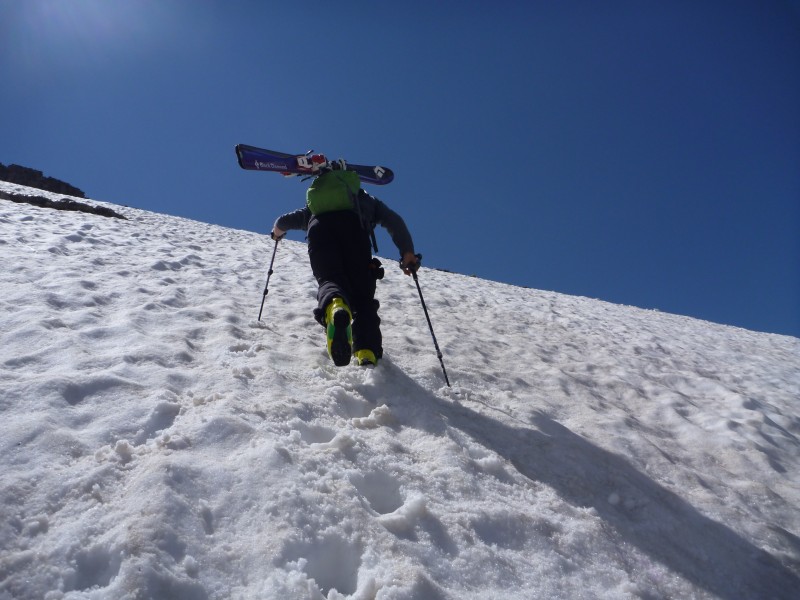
(356, 198)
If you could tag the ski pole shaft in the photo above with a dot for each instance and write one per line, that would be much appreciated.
(269, 274)
(430, 326)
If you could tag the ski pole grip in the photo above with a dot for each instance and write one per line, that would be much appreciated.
(419, 263)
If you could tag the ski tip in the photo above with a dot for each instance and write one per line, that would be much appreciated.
(377, 175)
(239, 158)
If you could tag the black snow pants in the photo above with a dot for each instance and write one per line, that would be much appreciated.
(341, 255)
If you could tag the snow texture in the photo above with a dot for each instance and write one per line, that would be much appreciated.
(158, 441)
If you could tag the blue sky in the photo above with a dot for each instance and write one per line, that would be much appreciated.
(641, 152)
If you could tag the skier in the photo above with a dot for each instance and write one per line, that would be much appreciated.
(340, 238)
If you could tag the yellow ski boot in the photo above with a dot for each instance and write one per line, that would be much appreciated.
(366, 358)
(340, 333)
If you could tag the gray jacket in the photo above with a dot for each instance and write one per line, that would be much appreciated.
(372, 212)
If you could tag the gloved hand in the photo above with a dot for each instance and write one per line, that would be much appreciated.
(410, 263)
(277, 233)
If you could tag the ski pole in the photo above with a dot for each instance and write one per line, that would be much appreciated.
(430, 326)
(269, 274)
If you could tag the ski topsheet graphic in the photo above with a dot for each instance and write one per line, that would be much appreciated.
(258, 159)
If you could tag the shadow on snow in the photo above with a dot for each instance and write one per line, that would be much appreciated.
(649, 516)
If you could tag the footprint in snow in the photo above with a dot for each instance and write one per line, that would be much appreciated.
(316, 434)
(331, 561)
(380, 491)
(162, 417)
(349, 406)
(381, 494)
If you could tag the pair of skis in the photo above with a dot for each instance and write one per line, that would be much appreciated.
(258, 159)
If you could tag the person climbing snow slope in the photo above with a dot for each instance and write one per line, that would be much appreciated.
(340, 218)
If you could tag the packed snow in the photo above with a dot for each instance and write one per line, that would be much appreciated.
(158, 441)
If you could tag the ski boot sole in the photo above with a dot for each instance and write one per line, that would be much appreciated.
(340, 349)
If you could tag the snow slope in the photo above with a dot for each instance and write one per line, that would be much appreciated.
(157, 441)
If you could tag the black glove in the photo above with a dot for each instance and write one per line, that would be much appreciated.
(410, 262)
(376, 269)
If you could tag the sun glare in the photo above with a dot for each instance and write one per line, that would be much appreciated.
(83, 34)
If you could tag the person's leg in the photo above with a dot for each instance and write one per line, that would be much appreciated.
(327, 255)
(362, 282)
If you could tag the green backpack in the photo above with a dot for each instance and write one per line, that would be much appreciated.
(334, 190)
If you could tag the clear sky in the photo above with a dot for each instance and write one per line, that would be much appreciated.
(642, 152)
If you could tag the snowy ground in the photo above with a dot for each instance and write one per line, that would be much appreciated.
(157, 441)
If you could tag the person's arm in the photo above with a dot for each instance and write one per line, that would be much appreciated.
(395, 226)
(398, 231)
(297, 219)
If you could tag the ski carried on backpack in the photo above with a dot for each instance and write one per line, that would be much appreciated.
(258, 159)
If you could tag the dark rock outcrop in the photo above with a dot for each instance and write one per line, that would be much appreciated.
(63, 204)
(36, 179)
